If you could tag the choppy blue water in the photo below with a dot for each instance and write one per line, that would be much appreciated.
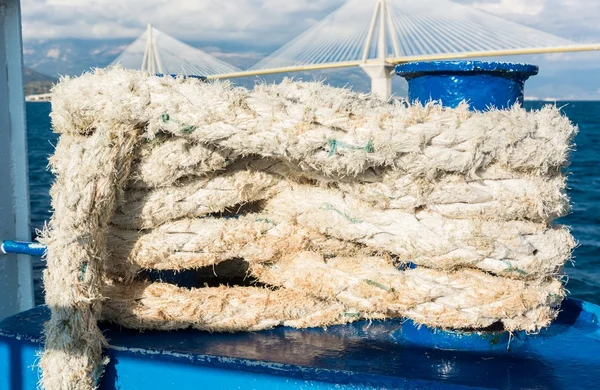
(584, 189)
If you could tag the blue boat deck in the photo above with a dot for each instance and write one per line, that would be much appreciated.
(390, 354)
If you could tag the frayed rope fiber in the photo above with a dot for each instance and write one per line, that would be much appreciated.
(321, 199)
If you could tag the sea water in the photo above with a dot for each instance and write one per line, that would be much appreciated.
(584, 190)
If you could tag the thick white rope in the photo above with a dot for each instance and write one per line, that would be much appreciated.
(329, 193)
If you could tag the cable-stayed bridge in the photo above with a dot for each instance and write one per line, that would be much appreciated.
(372, 34)
(157, 52)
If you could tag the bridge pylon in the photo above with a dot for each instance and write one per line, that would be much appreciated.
(151, 61)
(381, 79)
(378, 69)
(157, 52)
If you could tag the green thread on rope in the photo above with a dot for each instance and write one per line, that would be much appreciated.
(334, 144)
(377, 284)
(329, 206)
(355, 315)
(510, 268)
(83, 271)
(332, 147)
(266, 220)
(186, 129)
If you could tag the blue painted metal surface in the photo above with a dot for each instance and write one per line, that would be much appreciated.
(23, 248)
(481, 84)
(379, 354)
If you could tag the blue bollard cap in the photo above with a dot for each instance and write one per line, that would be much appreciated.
(481, 84)
(416, 69)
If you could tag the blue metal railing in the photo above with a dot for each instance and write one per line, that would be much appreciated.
(23, 248)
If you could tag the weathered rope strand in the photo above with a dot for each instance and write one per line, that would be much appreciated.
(84, 195)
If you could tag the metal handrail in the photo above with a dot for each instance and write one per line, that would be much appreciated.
(23, 248)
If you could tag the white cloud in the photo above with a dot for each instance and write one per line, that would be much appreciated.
(560, 56)
(572, 19)
(262, 21)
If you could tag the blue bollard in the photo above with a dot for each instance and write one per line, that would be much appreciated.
(481, 84)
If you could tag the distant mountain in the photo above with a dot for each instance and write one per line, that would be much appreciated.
(564, 84)
(70, 56)
(31, 76)
(37, 83)
(74, 56)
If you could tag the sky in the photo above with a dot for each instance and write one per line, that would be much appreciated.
(257, 27)
(263, 21)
